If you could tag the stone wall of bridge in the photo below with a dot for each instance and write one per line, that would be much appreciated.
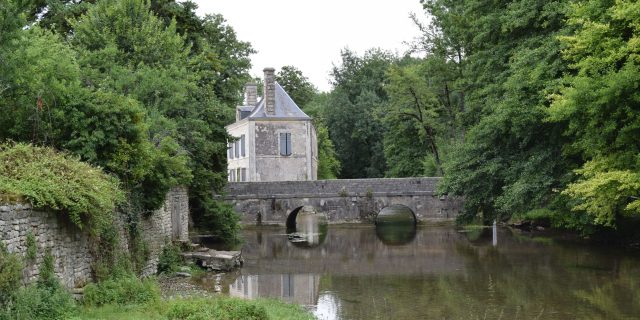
(345, 200)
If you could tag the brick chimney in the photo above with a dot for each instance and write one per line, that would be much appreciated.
(270, 91)
(251, 94)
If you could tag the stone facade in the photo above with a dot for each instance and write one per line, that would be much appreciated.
(70, 246)
(270, 166)
(354, 200)
(259, 152)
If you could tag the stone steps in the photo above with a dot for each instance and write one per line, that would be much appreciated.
(215, 260)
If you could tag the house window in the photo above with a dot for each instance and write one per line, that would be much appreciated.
(242, 147)
(230, 148)
(238, 176)
(237, 148)
(243, 174)
(285, 143)
(232, 175)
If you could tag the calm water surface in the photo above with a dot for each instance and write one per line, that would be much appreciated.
(358, 272)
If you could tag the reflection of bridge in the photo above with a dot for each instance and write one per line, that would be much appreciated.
(354, 200)
(295, 288)
(276, 268)
(352, 251)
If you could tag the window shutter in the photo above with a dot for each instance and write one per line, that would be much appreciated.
(237, 148)
(288, 143)
(283, 144)
(242, 147)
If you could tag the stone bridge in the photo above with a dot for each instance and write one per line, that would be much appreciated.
(345, 200)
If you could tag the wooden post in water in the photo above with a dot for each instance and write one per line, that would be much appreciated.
(495, 234)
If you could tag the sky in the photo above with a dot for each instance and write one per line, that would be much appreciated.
(310, 34)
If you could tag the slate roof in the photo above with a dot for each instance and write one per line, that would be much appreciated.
(245, 108)
(284, 108)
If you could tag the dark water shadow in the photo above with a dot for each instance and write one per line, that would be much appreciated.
(396, 234)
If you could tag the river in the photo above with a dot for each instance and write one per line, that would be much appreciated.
(359, 272)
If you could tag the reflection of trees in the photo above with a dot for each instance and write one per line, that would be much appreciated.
(443, 274)
(610, 298)
(519, 279)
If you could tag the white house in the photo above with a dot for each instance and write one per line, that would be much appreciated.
(274, 139)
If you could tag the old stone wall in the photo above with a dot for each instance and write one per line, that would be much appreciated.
(347, 200)
(70, 246)
(168, 223)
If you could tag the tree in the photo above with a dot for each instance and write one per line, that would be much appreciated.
(351, 112)
(328, 164)
(423, 115)
(511, 159)
(145, 96)
(601, 105)
(125, 49)
(296, 85)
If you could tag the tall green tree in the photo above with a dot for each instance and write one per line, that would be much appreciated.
(328, 164)
(296, 85)
(145, 95)
(125, 49)
(177, 88)
(423, 116)
(352, 113)
(511, 160)
(601, 104)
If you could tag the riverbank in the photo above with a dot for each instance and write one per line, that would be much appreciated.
(218, 307)
(175, 297)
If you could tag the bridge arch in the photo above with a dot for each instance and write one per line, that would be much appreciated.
(291, 218)
(396, 214)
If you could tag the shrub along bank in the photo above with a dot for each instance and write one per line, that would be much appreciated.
(121, 297)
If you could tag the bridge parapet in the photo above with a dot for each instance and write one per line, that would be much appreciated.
(344, 200)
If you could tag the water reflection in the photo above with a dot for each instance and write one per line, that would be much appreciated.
(442, 274)
(396, 234)
(328, 307)
(310, 230)
(396, 214)
(296, 288)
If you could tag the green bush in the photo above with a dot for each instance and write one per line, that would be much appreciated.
(220, 308)
(50, 179)
(32, 249)
(10, 274)
(40, 302)
(47, 299)
(124, 290)
(47, 276)
(170, 259)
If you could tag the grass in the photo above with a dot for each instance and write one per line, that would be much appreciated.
(223, 308)
(280, 310)
(116, 312)
(132, 298)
